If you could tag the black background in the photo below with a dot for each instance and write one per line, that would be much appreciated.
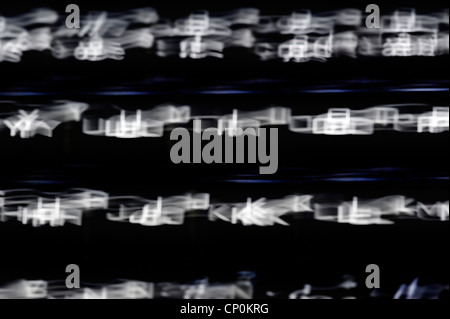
(284, 258)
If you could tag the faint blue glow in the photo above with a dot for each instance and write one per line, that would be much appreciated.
(353, 179)
(254, 181)
(227, 92)
(124, 93)
(374, 90)
(386, 169)
(333, 91)
(419, 90)
(26, 93)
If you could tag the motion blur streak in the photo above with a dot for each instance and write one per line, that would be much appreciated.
(55, 209)
(314, 36)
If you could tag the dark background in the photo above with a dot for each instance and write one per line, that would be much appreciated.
(284, 258)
